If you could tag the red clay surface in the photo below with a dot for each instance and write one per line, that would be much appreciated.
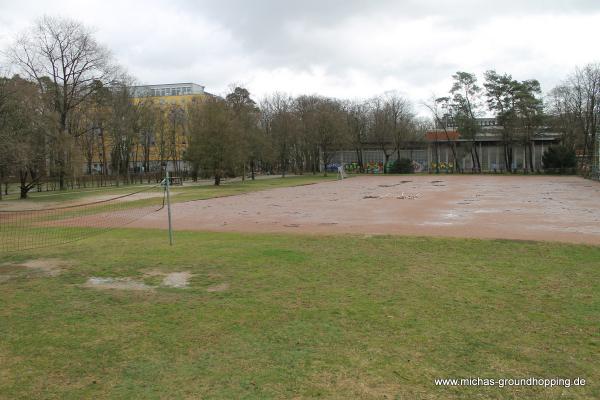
(563, 209)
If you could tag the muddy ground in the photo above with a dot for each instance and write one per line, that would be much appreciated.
(511, 207)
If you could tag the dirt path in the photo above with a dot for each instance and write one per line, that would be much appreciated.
(530, 208)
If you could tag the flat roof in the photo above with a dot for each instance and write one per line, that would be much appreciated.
(168, 84)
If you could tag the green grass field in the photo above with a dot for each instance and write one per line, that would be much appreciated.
(190, 191)
(299, 316)
(303, 316)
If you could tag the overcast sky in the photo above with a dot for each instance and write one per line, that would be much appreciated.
(347, 49)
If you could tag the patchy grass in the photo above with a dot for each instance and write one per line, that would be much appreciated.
(294, 316)
(31, 229)
(190, 191)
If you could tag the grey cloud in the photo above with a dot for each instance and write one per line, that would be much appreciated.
(216, 43)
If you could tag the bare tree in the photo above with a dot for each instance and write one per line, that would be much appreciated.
(149, 115)
(306, 108)
(560, 108)
(585, 84)
(245, 119)
(24, 126)
(357, 122)
(381, 131)
(400, 116)
(282, 126)
(331, 129)
(65, 60)
(176, 127)
(123, 130)
(439, 108)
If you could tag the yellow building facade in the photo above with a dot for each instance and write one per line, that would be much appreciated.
(162, 142)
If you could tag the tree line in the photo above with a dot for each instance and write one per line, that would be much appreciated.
(70, 106)
(283, 134)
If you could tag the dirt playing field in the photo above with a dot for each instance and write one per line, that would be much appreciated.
(521, 207)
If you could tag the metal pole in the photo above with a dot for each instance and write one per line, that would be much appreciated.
(167, 184)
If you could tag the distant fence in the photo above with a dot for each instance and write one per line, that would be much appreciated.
(11, 185)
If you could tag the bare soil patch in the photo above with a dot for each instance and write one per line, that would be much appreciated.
(550, 208)
(177, 280)
(218, 288)
(49, 266)
(116, 283)
(43, 266)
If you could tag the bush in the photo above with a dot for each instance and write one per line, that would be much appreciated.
(402, 166)
(559, 159)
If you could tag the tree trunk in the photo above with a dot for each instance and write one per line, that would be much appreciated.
(386, 158)
(507, 161)
(118, 172)
(61, 156)
(359, 157)
(456, 162)
(531, 166)
(24, 188)
(61, 174)
(437, 158)
(477, 157)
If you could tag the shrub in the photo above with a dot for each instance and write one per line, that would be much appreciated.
(402, 166)
(559, 159)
